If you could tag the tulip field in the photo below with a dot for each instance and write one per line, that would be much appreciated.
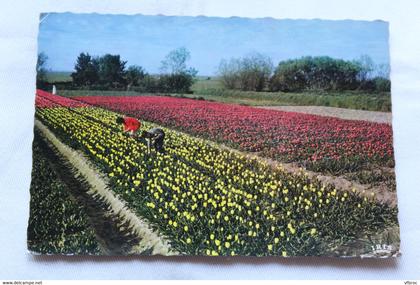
(208, 200)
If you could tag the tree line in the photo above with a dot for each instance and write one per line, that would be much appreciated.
(110, 72)
(253, 72)
(256, 72)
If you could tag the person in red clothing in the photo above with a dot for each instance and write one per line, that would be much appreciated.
(130, 125)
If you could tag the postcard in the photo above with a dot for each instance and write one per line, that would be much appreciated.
(206, 136)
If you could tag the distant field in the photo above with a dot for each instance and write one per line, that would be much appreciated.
(73, 93)
(213, 90)
(207, 83)
(59, 76)
(346, 99)
(203, 82)
(210, 88)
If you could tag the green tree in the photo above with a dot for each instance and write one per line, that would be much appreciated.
(175, 62)
(250, 73)
(367, 67)
(315, 73)
(41, 67)
(229, 72)
(176, 75)
(134, 75)
(373, 77)
(86, 70)
(255, 71)
(111, 70)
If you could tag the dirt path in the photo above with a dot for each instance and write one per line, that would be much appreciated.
(119, 230)
(342, 113)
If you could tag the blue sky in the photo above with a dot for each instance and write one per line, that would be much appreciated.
(145, 40)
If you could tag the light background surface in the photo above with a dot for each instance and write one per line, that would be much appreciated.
(18, 49)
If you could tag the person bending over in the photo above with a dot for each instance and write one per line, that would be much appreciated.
(155, 136)
(130, 125)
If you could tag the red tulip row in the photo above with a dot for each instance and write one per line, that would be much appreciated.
(286, 136)
(47, 100)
